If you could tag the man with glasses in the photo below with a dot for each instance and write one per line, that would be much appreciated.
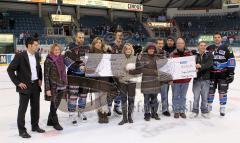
(180, 86)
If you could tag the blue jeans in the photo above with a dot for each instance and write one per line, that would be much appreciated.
(115, 98)
(200, 88)
(164, 97)
(179, 91)
(150, 103)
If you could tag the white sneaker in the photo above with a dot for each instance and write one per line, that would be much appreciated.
(73, 118)
(193, 115)
(205, 115)
(82, 116)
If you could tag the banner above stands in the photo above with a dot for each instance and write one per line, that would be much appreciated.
(91, 4)
(159, 24)
(231, 2)
(106, 4)
(35, 1)
(61, 18)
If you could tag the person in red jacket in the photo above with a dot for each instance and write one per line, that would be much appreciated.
(180, 87)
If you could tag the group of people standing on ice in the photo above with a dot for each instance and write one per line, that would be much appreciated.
(214, 66)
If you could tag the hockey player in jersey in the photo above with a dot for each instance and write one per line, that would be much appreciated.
(74, 61)
(222, 73)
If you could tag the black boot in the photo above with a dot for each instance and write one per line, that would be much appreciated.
(166, 113)
(130, 120)
(56, 125)
(53, 121)
(24, 135)
(124, 120)
(50, 120)
(124, 112)
(130, 111)
(147, 116)
(155, 116)
(53, 118)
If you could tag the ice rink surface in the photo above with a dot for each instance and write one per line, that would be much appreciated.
(167, 130)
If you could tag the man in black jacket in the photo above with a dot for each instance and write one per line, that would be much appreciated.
(204, 63)
(28, 81)
(116, 48)
(168, 48)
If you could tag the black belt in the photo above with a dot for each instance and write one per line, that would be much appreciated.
(34, 81)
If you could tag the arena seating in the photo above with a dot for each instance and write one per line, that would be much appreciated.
(192, 27)
(24, 22)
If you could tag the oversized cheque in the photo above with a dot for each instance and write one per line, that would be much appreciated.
(179, 68)
(105, 65)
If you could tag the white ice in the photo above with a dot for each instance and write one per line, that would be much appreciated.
(167, 130)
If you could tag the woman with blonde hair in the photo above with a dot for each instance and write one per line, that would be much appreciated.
(55, 83)
(128, 84)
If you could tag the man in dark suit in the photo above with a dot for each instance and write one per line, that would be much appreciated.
(28, 80)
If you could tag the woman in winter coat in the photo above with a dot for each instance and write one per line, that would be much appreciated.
(128, 85)
(55, 83)
(151, 85)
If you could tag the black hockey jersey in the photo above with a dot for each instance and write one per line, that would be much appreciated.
(223, 60)
(74, 58)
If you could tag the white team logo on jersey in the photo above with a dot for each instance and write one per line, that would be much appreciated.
(221, 52)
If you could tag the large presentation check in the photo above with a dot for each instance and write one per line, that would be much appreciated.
(179, 68)
(105, 65)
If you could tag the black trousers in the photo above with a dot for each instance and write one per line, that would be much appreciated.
(222, 86)
(127, 94)
(32, 95)
(116, 98)
(54, 106)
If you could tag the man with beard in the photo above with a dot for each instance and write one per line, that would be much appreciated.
(168, 48)
(74, 60)
(162, 54)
